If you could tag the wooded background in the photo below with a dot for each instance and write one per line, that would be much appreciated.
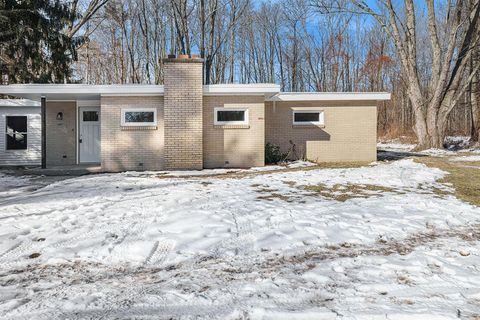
(303, 45)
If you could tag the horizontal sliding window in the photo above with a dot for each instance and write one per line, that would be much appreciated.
(231, 116)
(16, 132)
(139, 117)
(308, 117)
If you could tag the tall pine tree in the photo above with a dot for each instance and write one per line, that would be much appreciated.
(33, 45)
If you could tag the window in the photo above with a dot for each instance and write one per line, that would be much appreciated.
(90, 115)
(308, 117)
(139, 117)
(231, 116)
(16, 132)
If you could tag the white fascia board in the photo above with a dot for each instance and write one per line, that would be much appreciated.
(78, 89)
(331, 96)
(241, 89)
(19, 103)
(88, 103)
(133, 90)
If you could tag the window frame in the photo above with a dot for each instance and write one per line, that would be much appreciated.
(139, 124)
(245, 122)
(83, 113)
(5, 132)
(320, 122)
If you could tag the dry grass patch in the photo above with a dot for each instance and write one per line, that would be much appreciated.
(472, 164)
(265, 190)
(246, 173)
(335, 165)
(270, 194)
(464, 177)
(344, 192)
(289, 183)
(273, 196)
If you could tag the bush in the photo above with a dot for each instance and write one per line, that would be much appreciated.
(273, 155)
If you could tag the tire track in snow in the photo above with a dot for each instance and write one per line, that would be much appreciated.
(227, 276)
(243, 238)
(159, 254)
(12, 256)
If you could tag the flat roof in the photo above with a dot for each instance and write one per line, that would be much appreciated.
(77, 91)
(330, 96)
(94, 92)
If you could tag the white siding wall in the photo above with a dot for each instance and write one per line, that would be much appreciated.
(31, 156)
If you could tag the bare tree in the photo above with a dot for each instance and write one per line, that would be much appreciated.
(302, 49)
(475, 97)
(81, 17)
(182, 11)
(432, 102)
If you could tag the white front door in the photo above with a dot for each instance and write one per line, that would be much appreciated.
(89, 135)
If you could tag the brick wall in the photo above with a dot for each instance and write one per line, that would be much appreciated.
(131, 148)
(234, 146)
(350, 131)
(183, 114)
(61, 134)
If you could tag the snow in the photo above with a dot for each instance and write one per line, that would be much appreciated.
(457, 142)
(438, 152)
(395, 146)
(471, 150)
(8, 181)
(465, 158)
(258, 246)
(408, 148)
(11, 185)
(453, 145)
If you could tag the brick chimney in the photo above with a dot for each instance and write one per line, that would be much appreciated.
(183, 113)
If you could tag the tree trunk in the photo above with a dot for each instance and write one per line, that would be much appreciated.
(431, 134)
(429, 123)
(474, 92)
(208, 69)
(475, 101)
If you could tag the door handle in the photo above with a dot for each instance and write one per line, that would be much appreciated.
(80, 140)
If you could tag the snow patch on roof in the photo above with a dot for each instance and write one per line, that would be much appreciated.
(18, 103)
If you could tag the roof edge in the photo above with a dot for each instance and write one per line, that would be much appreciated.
(241, 89)
(133, 89)
(331, 96)
(19, 103)
(267, 89)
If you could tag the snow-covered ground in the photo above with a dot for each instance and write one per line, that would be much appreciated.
(258, 246)
(395, 146)
(465, 159)
(454, 144)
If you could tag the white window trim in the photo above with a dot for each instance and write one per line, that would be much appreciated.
(234, 123)
(5, 132)
(320, 122)
(139, 124)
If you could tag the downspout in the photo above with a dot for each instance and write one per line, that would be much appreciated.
(274, 101)
(44, 132)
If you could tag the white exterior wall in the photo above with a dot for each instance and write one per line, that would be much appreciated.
(33, 154)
